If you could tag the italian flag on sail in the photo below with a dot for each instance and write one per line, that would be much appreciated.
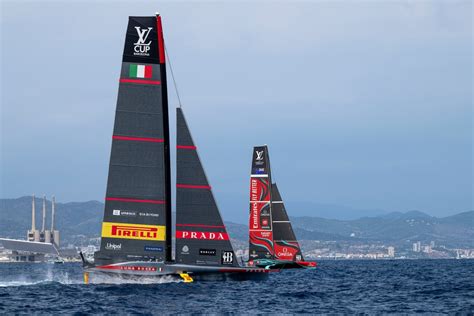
(140, 71)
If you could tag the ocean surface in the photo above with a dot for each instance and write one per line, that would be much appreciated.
(373, 287)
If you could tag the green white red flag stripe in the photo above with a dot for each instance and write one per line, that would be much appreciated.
(140, 71)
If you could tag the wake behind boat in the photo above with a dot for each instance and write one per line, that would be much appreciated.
(136, 228)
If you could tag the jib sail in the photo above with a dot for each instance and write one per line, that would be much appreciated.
(285, 244)
(260, 224)
(137, 215)
(201, 237)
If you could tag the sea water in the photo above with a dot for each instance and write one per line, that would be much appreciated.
(382, 286)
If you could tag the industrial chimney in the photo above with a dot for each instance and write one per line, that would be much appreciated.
(33, 234)
(54, 233)
(44, 213)
(52, 213)
(33, 220)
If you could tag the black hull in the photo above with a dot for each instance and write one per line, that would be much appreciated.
(147, 271)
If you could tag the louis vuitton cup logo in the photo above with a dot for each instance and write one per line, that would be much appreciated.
(259, 155)
(141, 47)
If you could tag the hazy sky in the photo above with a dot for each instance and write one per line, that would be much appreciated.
(363, 104)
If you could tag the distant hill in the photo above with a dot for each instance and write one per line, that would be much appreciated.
(74, 218)
(396, 228)
(84, 218)
(330, 211)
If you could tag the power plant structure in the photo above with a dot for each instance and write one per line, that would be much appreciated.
(47, 236)
(40, 245)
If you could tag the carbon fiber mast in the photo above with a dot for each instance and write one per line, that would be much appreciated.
(201, 236)
(137, 215)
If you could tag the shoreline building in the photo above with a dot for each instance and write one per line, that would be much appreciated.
(43, 235)
(391, 251)
(38, 243)
(417, 246)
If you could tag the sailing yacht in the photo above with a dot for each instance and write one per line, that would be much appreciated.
(272, 241)
(137, 227)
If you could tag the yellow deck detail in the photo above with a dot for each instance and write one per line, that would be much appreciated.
(186, 277)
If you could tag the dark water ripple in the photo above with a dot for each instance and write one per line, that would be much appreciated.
(336, 287)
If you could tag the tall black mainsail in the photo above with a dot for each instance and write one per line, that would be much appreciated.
(201, 237)
(137, 215)
(260, 219)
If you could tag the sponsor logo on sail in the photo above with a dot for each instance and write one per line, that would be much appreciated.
(180, 234)
(207, 252)
(123, 213)
(133, 213)
(255, 215)
(298, 257)
(153, 248)
(185, 250)
(112, 246)
(259, 155)
(133, 231)
(284, 253)
(141, 47)
(227, 257)
(146, 214)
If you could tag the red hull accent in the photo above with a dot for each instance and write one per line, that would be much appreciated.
(128, 268)
(309, 264)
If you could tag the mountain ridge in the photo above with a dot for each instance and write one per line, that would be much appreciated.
(79, 221)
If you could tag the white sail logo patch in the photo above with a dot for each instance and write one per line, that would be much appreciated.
(259, 155)
(141, 48)
(227, 257)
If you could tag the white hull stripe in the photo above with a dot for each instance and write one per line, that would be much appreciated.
(281, 221)
(277, 201)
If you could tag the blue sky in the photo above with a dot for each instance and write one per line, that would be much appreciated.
(363, 104)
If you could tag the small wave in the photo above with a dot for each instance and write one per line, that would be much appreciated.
(49, 278)
(17, 283)
(111, 279)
